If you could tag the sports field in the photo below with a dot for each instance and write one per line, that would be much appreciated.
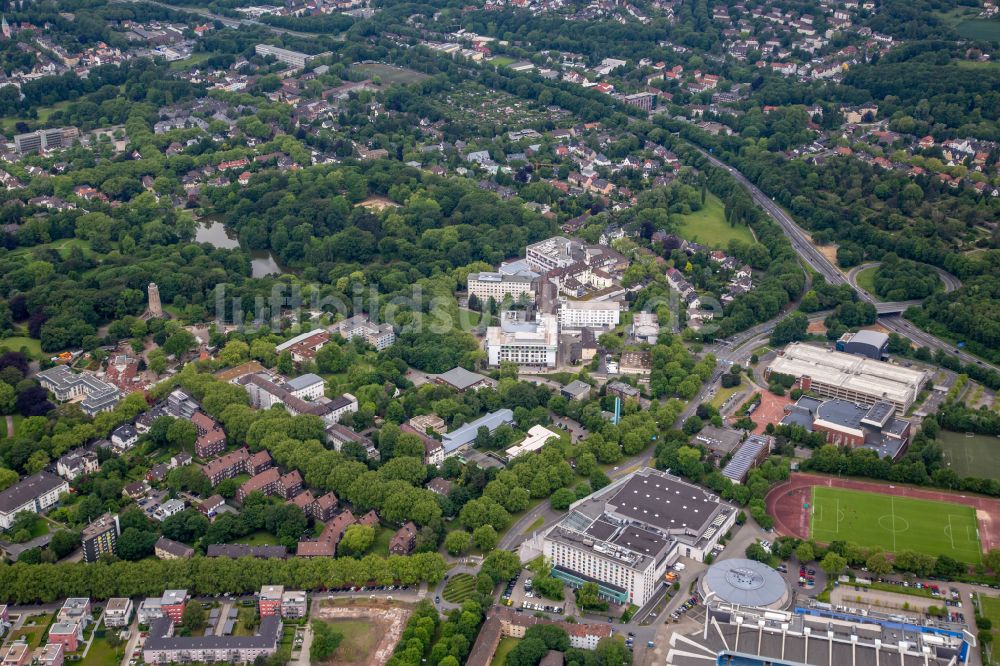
(895, 523)
(971, 455)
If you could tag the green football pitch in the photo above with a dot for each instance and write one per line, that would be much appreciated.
(895, 523)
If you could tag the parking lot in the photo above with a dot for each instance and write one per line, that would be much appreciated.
(518, 594)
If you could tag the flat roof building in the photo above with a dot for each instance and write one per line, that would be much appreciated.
(163, 647)
(537, 436)
(463, 436)
(499, 286)
(833, 374)
(846, 423)
(624, 537)
(873, 344)
(293, 58)
(517, 340)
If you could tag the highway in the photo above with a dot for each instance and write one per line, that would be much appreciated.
(888, 312)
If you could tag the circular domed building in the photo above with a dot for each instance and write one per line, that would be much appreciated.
(745, 582)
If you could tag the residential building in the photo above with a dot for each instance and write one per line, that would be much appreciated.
(269, 600)
(537, 436)
(625, 536)
(326, 544)
(124, 437)
(17, 654)
(100, 537)
(324, 507)
(75, 610)
(440, 486)
(463, 380)
(833, 374)
(162, 647)
(67, 634)
(45, 139)
(34, 493)
(517, 340)
(303, 347)
(168, 549)
(404, 540)
(622, 390)
(575, 390)
(267, 482)
(180, 405)
(462, 437)
(98, 396)
(150, 609)
(211, 506)
(305, 500)
(379, 336)
(294, 604)
(307, 387)
(502, 622)
(211, 437)
(589, 314)
(172, 604)
(77, 463)
(499, 286)
(235, 463)
(118, 612)
(265, 392)
(169, 508)
(51, 654)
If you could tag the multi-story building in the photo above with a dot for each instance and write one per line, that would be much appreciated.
(75, 609)
(325, 507)
(169, 508)
(211, 438)
(98, 396)
(307, 387)
(35, 493)
(269, 600)
(293, 58)
(181, 405)
(67, 634)
(124, 437)
(517, 340)
(553, 253)
(303, 347)
(293, 604)
(265, 392)
(51, 654)
(235, 463)
(379, 336)
(172, 604)
(118, 612)
(17, 654)
(462, 437)
(45, 139)
(100, 537)
(77, 463)
(338, 435)
(404, 540)
(626, 535)
(267, 482)
(589, 314)
(162, 647)
(499, 286)
(833, 374)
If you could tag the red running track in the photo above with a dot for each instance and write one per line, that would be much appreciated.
(786, 504)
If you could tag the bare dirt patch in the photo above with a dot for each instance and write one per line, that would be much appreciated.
(378, 204)
(371, 630)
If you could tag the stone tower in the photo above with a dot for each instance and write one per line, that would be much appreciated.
(155, 309)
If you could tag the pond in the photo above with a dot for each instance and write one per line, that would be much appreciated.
(211, 230)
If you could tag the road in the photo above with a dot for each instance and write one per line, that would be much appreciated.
(231, 22)
(812, 256)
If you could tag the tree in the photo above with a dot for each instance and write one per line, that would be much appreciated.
(562, 498)
(179, 343)
(193, 619)
(501, 565)
(804, 552)
(791, 328)
(485, 538)
(182, 434)
(356, 541)
(234, 353)
(324, 642)
(527, 652)
(612, 652)
(8, 477)
(457, 542)
(755, 551)
(878, 563)
(8, 399)
(134, 544)
(587, 597)
(833, 564)
(64, 542)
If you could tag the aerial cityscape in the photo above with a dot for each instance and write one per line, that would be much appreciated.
(500, 333)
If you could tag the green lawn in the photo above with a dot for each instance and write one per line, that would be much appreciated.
(991, 609)
(102, 654)
(507, 644)
(866, 280)
(971, 456)
(245, 615)
(980, 29)
(359, 640)
(459, 588)
(709, 226)
(501, 61)
(187, 63)
(381, 544)
(390, 74)
(725, 393)
(895, 523)
(33, 346)
(538, 522)
(33, 633)
(258, 538)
